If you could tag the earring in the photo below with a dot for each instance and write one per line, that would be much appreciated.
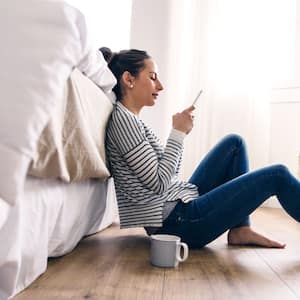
(131, 86)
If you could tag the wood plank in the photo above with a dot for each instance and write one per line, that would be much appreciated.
(224, 273)
(114, 264)
(285, 263)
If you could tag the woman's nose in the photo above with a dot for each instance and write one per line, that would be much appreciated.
(159, 86)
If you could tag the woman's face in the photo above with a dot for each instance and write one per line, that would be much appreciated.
(147, 85)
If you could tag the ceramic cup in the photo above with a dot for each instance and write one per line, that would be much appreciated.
(166, 250)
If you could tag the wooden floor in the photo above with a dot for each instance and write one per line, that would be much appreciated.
(114, 264)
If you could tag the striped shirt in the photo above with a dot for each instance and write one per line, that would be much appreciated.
(145, 173)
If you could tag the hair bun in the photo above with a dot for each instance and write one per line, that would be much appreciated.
(107, 53)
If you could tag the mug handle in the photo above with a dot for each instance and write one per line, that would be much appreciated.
(185, 252)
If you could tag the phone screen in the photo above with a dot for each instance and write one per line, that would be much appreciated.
(197, 97)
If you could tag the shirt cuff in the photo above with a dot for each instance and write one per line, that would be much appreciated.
(177, 135)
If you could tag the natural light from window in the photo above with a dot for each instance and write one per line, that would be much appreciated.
(108, 21)
(259, 50)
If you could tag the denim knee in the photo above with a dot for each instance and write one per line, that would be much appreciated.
(235, 140)
(280, 169)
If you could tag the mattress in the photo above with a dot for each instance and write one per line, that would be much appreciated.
(51, 218)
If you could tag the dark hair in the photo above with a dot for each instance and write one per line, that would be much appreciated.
(132, 60)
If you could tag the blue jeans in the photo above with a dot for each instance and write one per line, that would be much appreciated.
(229, 193)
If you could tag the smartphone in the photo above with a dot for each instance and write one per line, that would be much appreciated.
(197, 97)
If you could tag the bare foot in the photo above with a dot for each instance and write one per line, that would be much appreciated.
(246, 236)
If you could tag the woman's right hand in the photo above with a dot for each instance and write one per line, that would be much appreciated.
(183, 121)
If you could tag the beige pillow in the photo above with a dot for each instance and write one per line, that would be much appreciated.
(72, 146)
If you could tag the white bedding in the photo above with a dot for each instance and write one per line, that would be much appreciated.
(42, 41)
(44, 217)
(49, 221)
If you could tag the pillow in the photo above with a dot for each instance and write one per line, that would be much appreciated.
(72, 146)
(41, 43)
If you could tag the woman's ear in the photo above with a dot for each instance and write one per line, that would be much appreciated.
(128, 79)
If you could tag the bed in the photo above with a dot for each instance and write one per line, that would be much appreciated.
(51, 219)
(55, 101)
(68, 192)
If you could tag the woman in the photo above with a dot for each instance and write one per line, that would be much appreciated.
(221, 193)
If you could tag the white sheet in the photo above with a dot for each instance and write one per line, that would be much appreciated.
(49, 221)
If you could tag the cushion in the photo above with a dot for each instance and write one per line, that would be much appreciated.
(71, 147)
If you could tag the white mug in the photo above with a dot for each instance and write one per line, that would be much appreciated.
(166, 250)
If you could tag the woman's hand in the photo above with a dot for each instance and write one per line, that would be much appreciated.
(183, 121)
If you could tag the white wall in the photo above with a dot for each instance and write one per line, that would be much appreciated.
(150, 32)
(297, 47)
(108, 21)
(285, 116)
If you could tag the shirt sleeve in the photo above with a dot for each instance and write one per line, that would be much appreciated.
(131, 141)
(179, 136)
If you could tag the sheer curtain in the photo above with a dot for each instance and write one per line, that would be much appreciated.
(233, 50)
